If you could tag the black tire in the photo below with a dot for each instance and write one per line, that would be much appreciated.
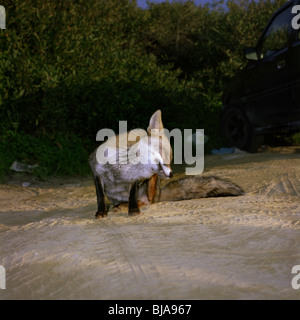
(238, 132)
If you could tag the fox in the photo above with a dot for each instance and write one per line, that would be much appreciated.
(138, 182)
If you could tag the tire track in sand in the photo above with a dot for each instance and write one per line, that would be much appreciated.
(132, 255)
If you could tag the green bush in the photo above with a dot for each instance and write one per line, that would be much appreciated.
(58, 154)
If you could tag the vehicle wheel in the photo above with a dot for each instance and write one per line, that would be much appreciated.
(238, 131)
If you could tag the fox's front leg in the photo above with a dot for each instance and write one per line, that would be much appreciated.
(102, 212)
(133, 208)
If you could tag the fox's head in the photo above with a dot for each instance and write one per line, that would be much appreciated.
(138, 154)
(160, 151)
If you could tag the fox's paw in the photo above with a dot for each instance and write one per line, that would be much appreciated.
(100, 214)
(134, 212)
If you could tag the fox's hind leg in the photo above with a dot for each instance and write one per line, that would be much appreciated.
(102, 212)
(133, 208)
(152, 188)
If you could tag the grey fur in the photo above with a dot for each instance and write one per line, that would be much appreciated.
(117, 179)
(127, 181)
(193, 187)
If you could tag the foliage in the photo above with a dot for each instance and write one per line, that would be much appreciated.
(70, 68)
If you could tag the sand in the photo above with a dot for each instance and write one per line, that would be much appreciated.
(216, 248)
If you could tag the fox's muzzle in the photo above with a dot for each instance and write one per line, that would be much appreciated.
(165, 171)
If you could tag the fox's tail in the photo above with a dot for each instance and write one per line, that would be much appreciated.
(192, 187)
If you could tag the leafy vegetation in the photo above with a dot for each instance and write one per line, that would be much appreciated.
(70, 68)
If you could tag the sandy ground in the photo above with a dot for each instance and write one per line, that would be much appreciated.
(217, 248)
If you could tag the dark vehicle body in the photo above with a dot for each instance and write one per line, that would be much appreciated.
(264, 97)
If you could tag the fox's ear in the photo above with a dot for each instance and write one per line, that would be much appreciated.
(155, 122)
